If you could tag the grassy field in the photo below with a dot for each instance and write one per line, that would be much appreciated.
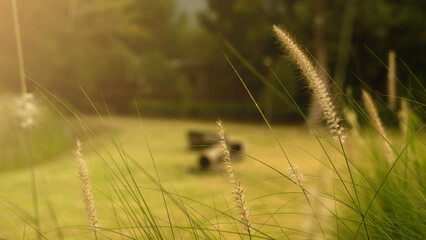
(361, 179)
(60, 191)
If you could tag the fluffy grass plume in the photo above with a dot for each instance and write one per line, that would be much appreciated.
(296, 175)
(377, 122)
(391, 80)
(87, 191)
(316, 83)
(26, 110)
(238, 188)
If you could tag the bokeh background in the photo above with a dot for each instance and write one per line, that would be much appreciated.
(168, 55)
(131, 78)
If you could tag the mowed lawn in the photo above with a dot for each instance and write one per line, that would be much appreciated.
(207, 195)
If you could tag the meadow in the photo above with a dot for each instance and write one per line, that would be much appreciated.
(59, 185)
(147, 184)
(67, 175)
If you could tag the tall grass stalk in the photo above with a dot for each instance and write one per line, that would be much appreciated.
(316, 83)
(87, 191)
(321, 93)
(377, 122)
(26, 130)
(391, 82)
(28, 146)
(304, 191)
(19, 46)
(238, 191)
(335, 170)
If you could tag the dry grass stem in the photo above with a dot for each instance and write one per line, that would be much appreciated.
(87, 192)
(377, 122)
(238, 188)
(391, 80)
(19, 46)
(316, 83)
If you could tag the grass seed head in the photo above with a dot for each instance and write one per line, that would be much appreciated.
(26, 110)
(296, 175)
(87, 191)
(238, 191)
(391, 80)
(316, 83)
(377, 122)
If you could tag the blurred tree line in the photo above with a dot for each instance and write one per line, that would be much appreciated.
(144, 50)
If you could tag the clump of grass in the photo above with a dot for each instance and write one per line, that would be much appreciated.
(316, 83)
(377, 122)
(87, 191)
(394, 192)
(238, 191)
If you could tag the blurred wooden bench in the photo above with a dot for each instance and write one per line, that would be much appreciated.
(211, 152)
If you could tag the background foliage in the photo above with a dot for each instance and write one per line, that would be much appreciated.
(172, 51)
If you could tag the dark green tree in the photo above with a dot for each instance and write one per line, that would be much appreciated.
(247, 28)
(104, 46)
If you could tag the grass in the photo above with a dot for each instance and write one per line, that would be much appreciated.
(277, 206)
(176, 166)
(146, 183)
